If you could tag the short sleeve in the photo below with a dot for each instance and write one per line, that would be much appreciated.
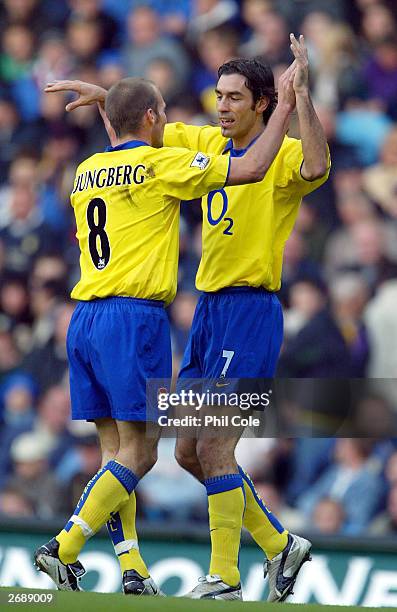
(182, 135)
(187, 175)
(196, 138)
(292, 160)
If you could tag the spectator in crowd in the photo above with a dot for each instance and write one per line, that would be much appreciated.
(84, 37)
(25, 235)
(48, 364)
(269, 39)
(374, 417)
(163, 74)
(31, 476)
(377, 22)
(338, 66)
(18, 398)
(37, 15)
(351, 478)
(53, 59)
(314, 346)
(215, 47)
(165, 483)
(386, 523)
(14, 137)
(315, 26)
(391, 469)
(147, 43)
(15, 307)
(253, 10)
(313, 230)
(380, 180)
(352, 208)
(14, 504)
(18, 49)
(210, 14)
(372, 259)
(380, 73)
(53, 416)
(296, 263)
(9, 355)
(328, 516)
(381, 324)
(91, 11)
(81, 459)
(47, 290)
(349, 294)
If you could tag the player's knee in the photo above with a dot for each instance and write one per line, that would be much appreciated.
(138, 462)
(214, 460)
(205, 452)
(109, 452)
(146, 462)
(187, 459)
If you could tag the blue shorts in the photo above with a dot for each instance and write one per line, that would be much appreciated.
(236, 333)
(114, 344)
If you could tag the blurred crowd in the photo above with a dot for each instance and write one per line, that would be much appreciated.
(340, 266)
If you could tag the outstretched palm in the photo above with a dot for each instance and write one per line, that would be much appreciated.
(88, 93)
(301, 79)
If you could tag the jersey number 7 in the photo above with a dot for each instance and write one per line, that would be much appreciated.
(228, 355)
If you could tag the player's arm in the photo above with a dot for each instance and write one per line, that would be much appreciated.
(88, 94)
(314, 143)
(175, 134)
(252, 167)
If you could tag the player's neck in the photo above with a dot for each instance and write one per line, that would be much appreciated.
(245, 140)
(142, 136)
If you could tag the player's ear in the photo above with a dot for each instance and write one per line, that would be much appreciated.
(262, 104)
(151, 116)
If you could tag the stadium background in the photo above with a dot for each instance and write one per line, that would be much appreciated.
(339, 276)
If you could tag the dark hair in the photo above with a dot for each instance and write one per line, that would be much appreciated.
(127, 102)
(259, 79)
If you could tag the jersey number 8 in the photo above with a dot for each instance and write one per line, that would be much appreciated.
(97, 233)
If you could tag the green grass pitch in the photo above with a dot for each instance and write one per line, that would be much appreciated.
(100, 602)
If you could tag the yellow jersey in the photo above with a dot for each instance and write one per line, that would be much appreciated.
(245, 227)
(126, 204)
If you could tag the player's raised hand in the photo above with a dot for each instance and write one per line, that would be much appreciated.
(298, 48)
(88, 93)
(286, 93)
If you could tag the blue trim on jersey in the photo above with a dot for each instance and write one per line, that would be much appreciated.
(238, 152)
(124, 475)
(228, 170)
(270, 516)
(115, 529)
(220, 484)
(130, 144)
